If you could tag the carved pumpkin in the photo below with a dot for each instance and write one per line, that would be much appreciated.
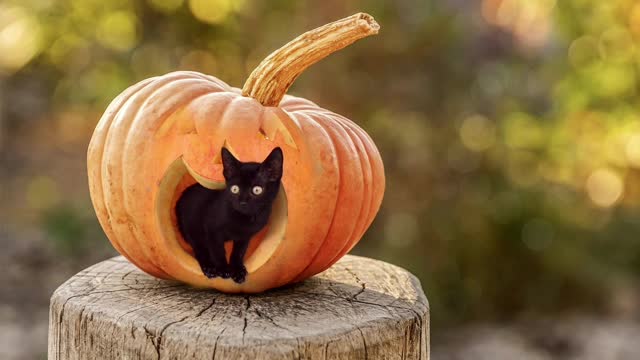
(163, 134)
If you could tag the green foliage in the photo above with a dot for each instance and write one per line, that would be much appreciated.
(73, 231)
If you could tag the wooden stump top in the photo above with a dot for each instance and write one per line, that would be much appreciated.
(358, 309)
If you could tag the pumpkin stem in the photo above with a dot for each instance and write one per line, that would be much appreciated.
(269, 82)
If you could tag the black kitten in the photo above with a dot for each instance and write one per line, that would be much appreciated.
(207, 218)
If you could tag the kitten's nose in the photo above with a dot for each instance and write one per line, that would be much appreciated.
(243, 203)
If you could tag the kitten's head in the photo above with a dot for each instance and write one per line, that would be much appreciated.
(251, 186)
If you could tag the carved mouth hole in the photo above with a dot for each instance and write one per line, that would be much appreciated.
(179, 177)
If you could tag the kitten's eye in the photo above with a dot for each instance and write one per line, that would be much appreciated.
(257, 190)
(235, 189)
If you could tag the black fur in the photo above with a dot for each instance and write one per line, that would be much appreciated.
(208, 218)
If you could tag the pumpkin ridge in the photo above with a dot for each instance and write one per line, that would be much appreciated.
(129, 155)
(223, 122)
(124, 124)
(227, 98)
(367, 145)
(293, 101)
(170, 118)
(365, 210)
(307, 120)
(106, 184)
(367, 175)
(133, 230)
(363, 214)
(338, 134)
(304, 107)
(378, 183)
(226, 87)
(159, 120)
(332, 245)
(104, 124)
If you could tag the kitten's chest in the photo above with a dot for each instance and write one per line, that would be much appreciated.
(244, 225)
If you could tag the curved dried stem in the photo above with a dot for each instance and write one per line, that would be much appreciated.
(269, 82)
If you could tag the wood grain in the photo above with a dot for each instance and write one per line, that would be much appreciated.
(358, 309)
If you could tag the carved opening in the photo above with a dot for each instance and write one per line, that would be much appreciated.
(179, 177)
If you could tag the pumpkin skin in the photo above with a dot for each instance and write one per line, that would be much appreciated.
(165, 133)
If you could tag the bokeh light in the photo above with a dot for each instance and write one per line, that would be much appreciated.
(19, 37)
(583, 51)
(211, 11)
(523, 131)
(477, 133)
(616, 44)
(528, 21)
(634, 19)
(632, 150)
(604, 187)
(67, 47)
(118, 30)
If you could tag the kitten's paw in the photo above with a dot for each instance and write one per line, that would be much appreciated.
(224, 273)
(209, 272)
(214, 272)
(239, 273)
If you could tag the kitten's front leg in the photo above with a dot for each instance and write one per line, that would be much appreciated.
(202, 256)
(236, 264)
(217, 256)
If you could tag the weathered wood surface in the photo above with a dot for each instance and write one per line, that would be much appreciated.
(358, 309)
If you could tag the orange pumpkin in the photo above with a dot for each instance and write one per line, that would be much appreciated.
(165, 133)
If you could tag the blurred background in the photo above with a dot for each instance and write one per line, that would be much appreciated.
(510, 132)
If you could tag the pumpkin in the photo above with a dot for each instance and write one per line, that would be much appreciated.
(165, 133)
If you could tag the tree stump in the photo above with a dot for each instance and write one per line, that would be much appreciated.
(358, 309)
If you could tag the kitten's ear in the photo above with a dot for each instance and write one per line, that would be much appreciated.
(229, 163)
(271, 167)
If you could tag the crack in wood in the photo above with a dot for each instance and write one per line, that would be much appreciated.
(387, 306)
(364, 343)
(417, 320)
(360, 282)
(127, 274)
(213, 302)
(270, 319)
(61, 318)
(326, 349)
(246, 313)
(324, 317)
(158, 343)
(298, 356)
(144, 306)
(215, 345)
